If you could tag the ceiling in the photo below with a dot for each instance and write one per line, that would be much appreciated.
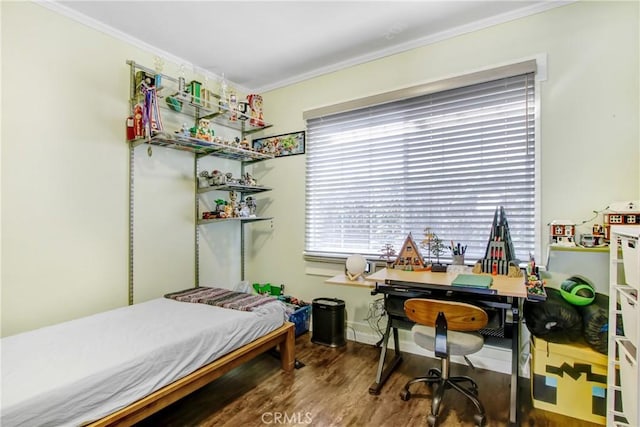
(262, 45)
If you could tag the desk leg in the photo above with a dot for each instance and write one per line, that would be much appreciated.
(383, 374)
(515, 357)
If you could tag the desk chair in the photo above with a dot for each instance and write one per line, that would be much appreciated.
(447, 328)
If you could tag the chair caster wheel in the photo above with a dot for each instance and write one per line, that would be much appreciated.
(480, 420)
(405, 395)
(431, 420)
(433, 372)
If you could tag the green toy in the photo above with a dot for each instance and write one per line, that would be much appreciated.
(578, 290)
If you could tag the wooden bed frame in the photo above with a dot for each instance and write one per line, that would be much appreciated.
(283, 337)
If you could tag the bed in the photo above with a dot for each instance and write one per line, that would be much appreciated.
(120, 366)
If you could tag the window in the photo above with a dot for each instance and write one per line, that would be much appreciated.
(444, 160)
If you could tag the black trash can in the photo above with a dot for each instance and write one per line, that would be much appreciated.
(328, 322)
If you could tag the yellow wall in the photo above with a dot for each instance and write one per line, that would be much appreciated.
(64, 160)
(65, 90)
(589, 125)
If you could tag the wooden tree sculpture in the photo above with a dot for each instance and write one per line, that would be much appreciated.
(437, 248)
(388, 254)
(426, 243)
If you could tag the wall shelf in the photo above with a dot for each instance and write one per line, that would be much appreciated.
(200, 147)
(242, 220)
(246, 189)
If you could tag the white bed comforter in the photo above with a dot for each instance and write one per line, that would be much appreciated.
(79, 371)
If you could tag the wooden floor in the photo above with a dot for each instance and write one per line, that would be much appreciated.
(332, 390)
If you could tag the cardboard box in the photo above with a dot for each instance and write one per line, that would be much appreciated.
(569, 379)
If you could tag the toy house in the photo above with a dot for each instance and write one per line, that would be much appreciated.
(410, 258)
(619, 218)
(562, 233)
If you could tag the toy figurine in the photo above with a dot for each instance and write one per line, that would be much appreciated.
(243, 210)
(247, 179)
(138, 126)
(231, 179)
(220, 208)
(209, 215)
(202, 131)
(242, 109)
(184, 130)
(224, 95)
(233, 106)
(217, 178)
(233, 206)
(203, 179)
(255, 103)
(251, 204)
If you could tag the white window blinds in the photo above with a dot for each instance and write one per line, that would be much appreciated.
(445, 160)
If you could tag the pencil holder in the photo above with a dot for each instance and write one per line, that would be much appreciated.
(458, 259)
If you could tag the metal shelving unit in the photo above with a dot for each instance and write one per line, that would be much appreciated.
(623, 379)
(218, 115)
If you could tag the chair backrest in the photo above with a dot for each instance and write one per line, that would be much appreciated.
(460, 316)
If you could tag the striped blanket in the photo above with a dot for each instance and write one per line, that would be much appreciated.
(222, 298)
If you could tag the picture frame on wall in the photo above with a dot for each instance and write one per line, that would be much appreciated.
(286, 144)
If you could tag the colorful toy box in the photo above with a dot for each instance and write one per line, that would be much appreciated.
(569, 379)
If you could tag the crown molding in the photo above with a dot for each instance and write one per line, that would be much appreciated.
(421, 42)
(110, 31)
(403, 47)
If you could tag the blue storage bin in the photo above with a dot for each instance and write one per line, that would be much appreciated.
(301, 318)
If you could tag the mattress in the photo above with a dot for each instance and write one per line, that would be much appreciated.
(80, 371)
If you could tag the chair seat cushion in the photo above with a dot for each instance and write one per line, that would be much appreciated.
(460, 343)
